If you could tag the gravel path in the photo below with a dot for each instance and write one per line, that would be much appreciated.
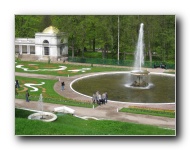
(107, 111)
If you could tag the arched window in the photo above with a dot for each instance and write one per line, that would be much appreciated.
(46, 42)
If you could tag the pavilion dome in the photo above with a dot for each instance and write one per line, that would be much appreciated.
(51, 30)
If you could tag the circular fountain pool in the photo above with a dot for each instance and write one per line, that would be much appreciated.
(43, 116)
(161, 89)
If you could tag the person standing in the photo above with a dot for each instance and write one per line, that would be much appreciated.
(106, 97)
(16, 93)
(17, 84)
(99, 99)
(103, 98)
(62, 86)
(27, 96)
(93, 98)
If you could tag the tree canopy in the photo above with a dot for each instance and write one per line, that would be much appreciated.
(91, 32)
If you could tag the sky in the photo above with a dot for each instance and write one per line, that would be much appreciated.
(9, 8)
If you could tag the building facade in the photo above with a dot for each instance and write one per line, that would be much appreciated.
(49, 44)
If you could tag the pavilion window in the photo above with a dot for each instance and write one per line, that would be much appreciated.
(24, 49)
(46, 50)
(32, 49)
(17, 49)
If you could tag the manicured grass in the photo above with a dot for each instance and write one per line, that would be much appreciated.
(66, 72)
(70, 125)
(149, 111)
(67, 124)
(49, 95)
(170, 72)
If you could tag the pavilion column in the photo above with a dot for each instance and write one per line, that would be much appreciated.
(28, 49)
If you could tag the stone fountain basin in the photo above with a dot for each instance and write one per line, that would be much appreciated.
(161, 87)
(140, 72)
(47, 116)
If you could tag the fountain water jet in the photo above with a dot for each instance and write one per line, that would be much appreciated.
(41, 115)
(161, 89)
(139, 75)
(40, 105)
(139, 53)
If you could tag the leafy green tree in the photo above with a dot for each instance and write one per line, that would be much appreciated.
(88, 32)
(46, 21)
(27, 25)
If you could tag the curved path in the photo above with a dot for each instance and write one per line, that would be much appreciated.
(107, 111)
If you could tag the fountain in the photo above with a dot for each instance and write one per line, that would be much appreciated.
(137, 86)
(139, 78)
(41, 115)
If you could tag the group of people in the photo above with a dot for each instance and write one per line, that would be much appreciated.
(99, 98)
(160, 66)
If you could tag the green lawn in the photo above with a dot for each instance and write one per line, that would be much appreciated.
(150, 111)
(69, 125)
(49, 95)
(44, 65)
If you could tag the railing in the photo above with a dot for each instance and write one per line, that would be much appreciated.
(128, 63)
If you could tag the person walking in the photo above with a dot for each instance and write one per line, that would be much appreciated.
(106, 97)
(99, 99)
(16, 93)
(93, 98)
(17, 84)
(103, 98)
(62, 86)
(27, 96)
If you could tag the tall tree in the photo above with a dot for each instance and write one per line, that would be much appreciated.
(46, 21)
(27, 25)
(100, 31)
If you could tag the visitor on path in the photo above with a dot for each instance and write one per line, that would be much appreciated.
(62, 86)
(99, 99)
(94, 98)
(106, 97)
(16, 93)
(103, 98)
(27, 96)
(17, 84)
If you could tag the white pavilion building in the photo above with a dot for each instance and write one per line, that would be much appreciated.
(51, 43)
